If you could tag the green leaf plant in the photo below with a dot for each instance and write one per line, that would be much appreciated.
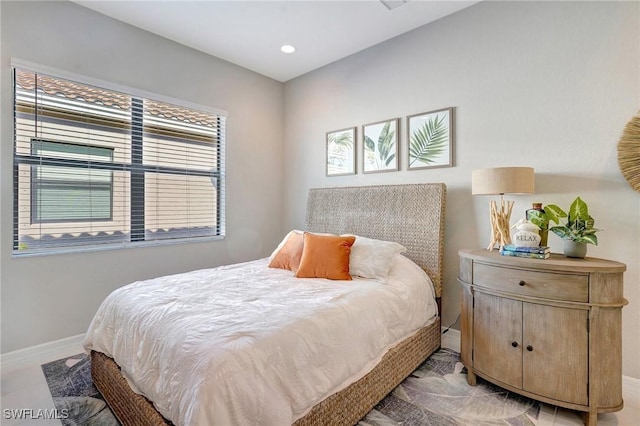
(383, 147)
(577, 227)
(343, 140)
(428, 141)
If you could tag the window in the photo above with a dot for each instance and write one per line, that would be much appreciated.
(98, 168)
(60, 193)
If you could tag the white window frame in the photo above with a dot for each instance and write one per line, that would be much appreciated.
(134, 93)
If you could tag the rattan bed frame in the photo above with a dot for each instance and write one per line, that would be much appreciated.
(412, 215)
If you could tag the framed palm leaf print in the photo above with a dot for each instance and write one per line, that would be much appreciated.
(380, 146)
(341, 153)
(430, 139)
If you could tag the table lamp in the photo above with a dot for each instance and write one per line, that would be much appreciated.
(501, 180)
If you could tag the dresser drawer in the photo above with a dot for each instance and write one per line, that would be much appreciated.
(546, 285)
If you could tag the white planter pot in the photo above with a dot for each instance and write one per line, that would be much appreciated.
(573, 249)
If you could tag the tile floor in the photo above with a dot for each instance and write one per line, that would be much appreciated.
(26, 388)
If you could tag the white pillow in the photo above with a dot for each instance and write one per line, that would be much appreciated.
(373, 258)
(283, 242)
(286, 237)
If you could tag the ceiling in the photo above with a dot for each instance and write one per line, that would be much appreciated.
(250, 33)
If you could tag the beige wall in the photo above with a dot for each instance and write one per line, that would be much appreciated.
(46, 298)
(543, 84)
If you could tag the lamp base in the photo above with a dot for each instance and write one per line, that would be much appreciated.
(500, 232)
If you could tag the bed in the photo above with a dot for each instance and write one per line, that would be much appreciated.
(411, 215)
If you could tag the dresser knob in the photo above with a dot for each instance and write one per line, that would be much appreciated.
(521, 283)
(530, 348)
(514, 344)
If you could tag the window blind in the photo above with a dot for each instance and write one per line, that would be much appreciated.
(95, 167)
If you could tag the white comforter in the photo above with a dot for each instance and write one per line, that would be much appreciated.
(247, 344)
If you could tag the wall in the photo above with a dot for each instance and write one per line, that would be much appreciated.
(544, 84)
(51, 297)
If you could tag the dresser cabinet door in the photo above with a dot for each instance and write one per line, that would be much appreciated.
(497, 324)
(555, 354)
(550, 329)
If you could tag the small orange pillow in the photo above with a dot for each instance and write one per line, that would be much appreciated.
(288, 257)
(325, 256)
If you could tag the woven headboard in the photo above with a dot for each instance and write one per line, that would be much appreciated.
(412, 215)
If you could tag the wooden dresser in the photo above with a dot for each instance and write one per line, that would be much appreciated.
(547, 329)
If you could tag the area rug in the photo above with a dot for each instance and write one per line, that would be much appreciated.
(435, 394)
(74, 394)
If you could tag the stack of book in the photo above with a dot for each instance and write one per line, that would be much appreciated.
(540, 252)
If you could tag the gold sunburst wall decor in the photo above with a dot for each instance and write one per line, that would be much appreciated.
(629, 152)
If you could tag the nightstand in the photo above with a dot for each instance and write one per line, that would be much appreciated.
(549, 329)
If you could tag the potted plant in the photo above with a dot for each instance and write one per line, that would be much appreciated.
(539, 217)
(578, 231)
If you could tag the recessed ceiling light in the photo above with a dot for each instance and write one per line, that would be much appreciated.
(287, 48)
(392, 4)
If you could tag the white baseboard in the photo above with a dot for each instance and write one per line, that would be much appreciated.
(41, 354)
(451, 339)
(630, 388)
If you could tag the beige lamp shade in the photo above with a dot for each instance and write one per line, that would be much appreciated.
(502, 180)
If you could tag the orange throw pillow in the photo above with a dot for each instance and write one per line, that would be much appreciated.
(288, 257)
(325, 256)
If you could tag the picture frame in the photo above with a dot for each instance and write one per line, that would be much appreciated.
(341, 152)
(380, 146)
(430, 139)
